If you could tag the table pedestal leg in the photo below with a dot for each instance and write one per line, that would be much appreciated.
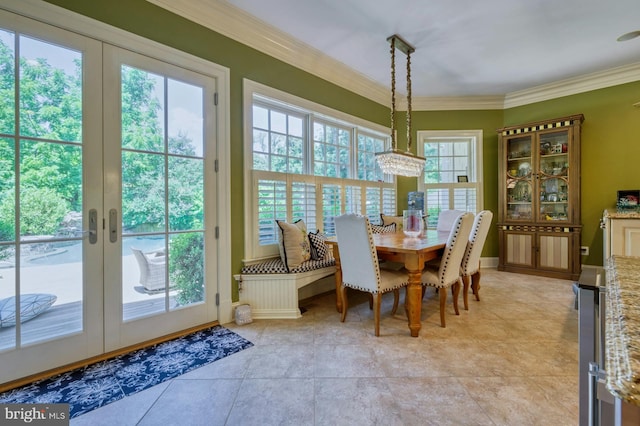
(336, 256)
(413, 302)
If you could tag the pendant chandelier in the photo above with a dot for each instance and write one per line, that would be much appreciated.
(394, 161)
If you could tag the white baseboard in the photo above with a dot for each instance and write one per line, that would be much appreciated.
(488, 262)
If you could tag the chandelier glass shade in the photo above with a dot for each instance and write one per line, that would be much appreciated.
(394, 161)
(400, 163)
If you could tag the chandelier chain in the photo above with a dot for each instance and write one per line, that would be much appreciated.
(393, 161)
(408, 101)
(393, 93)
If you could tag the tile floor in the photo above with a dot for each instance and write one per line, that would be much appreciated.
(512, 359)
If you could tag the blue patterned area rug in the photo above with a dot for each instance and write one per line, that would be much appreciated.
(104, 382)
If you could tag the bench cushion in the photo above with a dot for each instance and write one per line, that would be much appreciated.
(276, 266)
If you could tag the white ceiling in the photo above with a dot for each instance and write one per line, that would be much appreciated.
(463, 47)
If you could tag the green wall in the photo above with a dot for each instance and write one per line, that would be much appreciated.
(149, 21)
(610, 133)
(487, 121)
(610, 149)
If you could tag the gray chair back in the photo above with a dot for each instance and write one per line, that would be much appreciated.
(446, 219)
(358, 259)
(449, 271)
(477, 237)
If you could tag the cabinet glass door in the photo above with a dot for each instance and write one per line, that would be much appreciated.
(553, 176)
(519, 179)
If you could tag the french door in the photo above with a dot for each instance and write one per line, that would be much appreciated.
(107, 198)
(160, 212)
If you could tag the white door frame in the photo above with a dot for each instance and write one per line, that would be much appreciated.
(63, 19)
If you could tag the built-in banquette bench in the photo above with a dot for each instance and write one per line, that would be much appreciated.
(273, 290)
(273, 293)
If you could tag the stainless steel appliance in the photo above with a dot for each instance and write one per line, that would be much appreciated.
(598, 406)
(596, 402)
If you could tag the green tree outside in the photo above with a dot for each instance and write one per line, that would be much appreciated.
(50, 109)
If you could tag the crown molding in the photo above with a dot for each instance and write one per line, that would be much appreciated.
(232, 22)
(448, 103)
(575, 85)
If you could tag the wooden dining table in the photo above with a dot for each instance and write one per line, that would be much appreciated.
(413, 253)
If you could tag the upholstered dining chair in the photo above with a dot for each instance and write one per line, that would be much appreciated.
(446, 272)
(446, 219)
(360, 268)
(470, 267)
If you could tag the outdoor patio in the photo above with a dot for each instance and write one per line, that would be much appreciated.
(55, 272)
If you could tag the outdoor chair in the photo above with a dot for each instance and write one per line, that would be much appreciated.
(152, 269)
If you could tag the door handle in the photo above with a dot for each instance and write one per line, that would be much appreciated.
(113, 225)
(93, 227)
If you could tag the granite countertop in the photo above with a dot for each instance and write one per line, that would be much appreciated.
(623, 328)
(621, 215)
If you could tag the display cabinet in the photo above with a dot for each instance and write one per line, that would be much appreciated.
(539, 195)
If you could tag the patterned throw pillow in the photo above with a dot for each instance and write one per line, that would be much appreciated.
(294, 243)
(388, 220)
(384, 229)
(318, 248)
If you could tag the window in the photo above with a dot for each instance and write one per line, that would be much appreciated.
(331, 150)
(277, 140)
(306, 161)
(452, 173)
(368, 168)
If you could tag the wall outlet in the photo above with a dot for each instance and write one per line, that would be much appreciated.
(584, 251)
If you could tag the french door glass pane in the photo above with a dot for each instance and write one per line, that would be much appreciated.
(50, 273)
(7, 293)
(143, 192)
(186, 193)
(144, 271)
(7, 195)
(186, 267)
(7, 83)
(162, 193)
(45, 299)
(186, 118)
(142, 110)
(50, 91)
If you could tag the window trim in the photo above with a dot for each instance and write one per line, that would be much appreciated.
(251, 90)
(476, 176)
